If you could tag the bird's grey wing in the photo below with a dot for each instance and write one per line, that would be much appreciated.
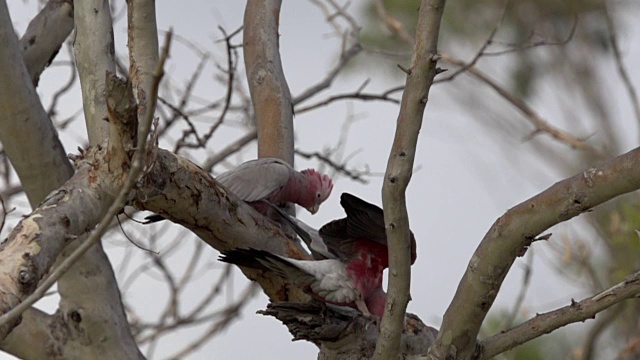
(256, 179)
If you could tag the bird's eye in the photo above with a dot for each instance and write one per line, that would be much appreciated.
(318, 195)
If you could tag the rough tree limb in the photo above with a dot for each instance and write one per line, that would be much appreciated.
(76, 207)
(343, 332)
(95, 55)
(267, 85)
(44, 36)
(399, 168)
(512, 234)
(184, 193)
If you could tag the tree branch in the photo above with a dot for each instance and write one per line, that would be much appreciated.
(143, 54)
(509, 238)
(267, 85)
(398, 175)
(95, 55)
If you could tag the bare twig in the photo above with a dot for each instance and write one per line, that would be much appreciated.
(340, 168)
(349, 96)
(541, 126)
(229, 150)
(526, 281)
(228, 314)
(577, 311)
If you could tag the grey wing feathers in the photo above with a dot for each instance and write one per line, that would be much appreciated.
(256, 179)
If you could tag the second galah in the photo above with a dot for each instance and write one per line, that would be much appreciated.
(327, 280)
(275, 181)
(353, 251)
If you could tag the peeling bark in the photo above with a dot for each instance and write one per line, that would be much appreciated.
(344, 333)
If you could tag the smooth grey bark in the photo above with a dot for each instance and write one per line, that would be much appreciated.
(268, 86)
(398, 174)
(44, 36)
(95, 55)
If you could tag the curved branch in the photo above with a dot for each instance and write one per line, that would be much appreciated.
(513, 233)
(44, 36)
(398, 174)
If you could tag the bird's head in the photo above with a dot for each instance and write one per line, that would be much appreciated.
(322, 186)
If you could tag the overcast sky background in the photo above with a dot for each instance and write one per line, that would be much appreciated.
(465, 179)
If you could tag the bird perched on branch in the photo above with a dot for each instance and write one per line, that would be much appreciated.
(275, 181)
(353, 253)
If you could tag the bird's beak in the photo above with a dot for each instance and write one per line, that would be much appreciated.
(313, 209)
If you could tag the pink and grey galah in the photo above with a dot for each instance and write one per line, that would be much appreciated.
(355, 252)
(275, 181)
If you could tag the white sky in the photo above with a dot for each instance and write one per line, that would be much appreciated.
(465, 181)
